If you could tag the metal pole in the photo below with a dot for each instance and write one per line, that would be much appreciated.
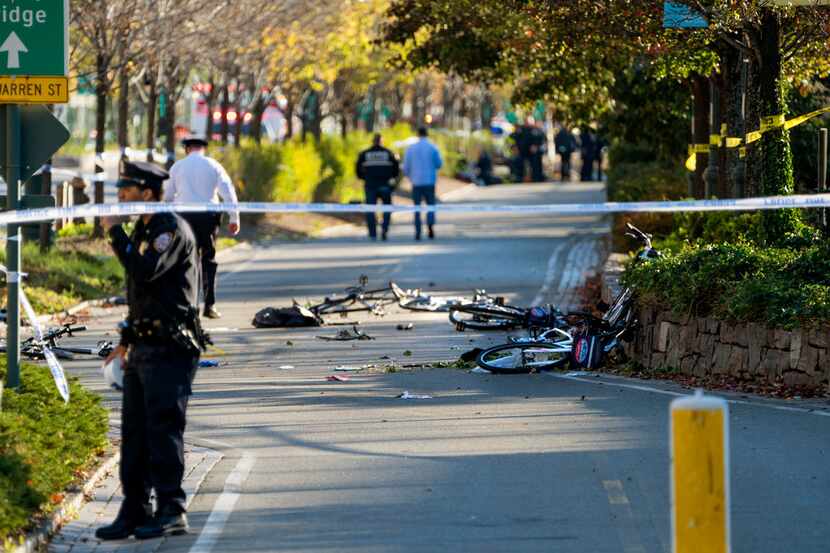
(822, 173)
(13, 245)
(46, 189)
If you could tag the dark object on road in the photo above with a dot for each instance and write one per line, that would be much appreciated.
(347, 335)
(471, 355)
(408, 326)
(287, 317)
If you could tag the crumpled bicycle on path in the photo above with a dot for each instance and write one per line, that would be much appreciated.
(32, 348)
(579, 338)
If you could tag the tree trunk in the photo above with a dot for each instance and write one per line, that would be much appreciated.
(240, 120)
(123, 110)
(732, 62)
(152, 106)
(256, 122)
(289, 120)
(210, 100)
(700, 129)
(101, 91)
(372, 114)
(753, 157)
(344, 124)
(777, 163)
(170, 139)
(224, 106)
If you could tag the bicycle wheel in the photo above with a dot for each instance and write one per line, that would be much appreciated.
(524, 358)
(487, 317)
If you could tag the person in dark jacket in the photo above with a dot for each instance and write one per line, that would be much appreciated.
(588, 151)
(161, 341)
(379, 169)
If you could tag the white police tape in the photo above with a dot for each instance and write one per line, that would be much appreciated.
(139, 208)
(58, 374)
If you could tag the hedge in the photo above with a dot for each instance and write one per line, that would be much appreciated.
(324, 171)
(45, 445)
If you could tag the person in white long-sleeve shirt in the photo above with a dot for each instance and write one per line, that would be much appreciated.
(200, 179)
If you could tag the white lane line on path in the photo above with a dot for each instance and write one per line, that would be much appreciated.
(224, 506)
(621, 508)
(649, 389)
(550, 274)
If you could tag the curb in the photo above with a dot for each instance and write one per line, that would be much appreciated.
(39, 536)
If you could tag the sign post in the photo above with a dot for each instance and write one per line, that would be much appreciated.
(34, 60)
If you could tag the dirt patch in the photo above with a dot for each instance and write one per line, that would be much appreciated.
(727, 383)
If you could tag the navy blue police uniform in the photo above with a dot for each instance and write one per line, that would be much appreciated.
(379, 168)
(164, 340)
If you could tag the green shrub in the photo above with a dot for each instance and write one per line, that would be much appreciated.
(646, 181)
(58, 279)
(783, 287)
(44, 444)
(72, 230)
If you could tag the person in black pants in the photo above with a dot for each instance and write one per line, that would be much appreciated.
(199, 178)
(164, 339)
(379, 169)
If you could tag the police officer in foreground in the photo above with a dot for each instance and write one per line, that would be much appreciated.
(161, 341)
(201, 179)
(379, 169)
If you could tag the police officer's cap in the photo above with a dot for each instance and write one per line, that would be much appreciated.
(143, 175)
(195, 140)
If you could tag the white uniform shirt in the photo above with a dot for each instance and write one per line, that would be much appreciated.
(200, 179)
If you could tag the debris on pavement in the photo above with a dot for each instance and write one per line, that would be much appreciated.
(337, 378)
(407, 353)
(287, 317)
(471, 355)
(344, 368)
(287, 367)
(479, 370)
(208, 363)
(407, 395)
(346, 335)
(578, 373)
(408, 326)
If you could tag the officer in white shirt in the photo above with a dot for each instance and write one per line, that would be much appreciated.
(200, 179)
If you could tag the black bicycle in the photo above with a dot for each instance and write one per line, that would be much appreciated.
(496, 315)
(32, 348)
(356, 299)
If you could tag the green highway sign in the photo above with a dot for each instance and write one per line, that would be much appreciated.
(34, 37)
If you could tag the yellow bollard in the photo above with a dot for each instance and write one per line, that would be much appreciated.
(700, 474)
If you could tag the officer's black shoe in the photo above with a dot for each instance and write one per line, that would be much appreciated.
(212, 313)
(383, 235)
(165, 523)
(431, 233)
(125, 524)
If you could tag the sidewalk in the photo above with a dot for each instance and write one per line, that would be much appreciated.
(78, 536)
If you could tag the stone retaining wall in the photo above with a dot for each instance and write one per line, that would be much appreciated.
(705, 346)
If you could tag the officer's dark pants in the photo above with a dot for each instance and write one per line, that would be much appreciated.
(373, 194)
(424, 194)
(587, 172)
(157, 385)
(536, 168)
(206, 228)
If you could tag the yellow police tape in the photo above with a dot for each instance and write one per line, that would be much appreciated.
(768, 123)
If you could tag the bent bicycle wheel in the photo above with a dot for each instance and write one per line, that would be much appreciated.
(524, 358)
(487, 317)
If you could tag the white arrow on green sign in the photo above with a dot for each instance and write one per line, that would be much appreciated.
(34, 37)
